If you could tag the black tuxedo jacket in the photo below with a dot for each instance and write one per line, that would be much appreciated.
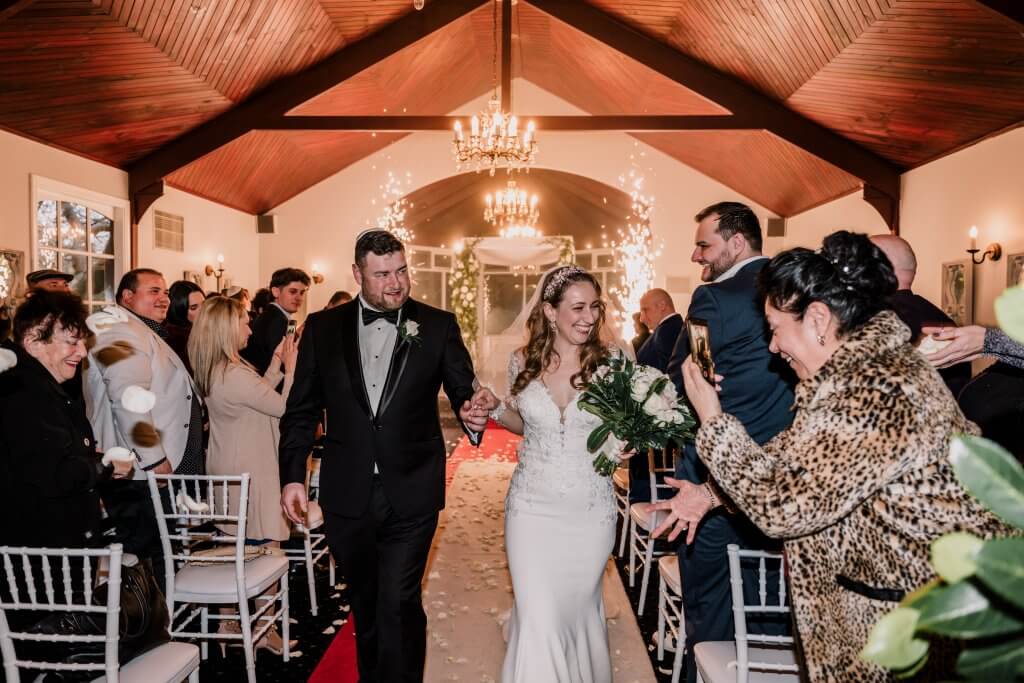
(657, 350)
(268, 329)
(404, 439)
(758, 385)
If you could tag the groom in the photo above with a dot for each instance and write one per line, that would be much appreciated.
(376, 365)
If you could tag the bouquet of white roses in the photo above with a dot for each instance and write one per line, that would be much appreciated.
(639, 409)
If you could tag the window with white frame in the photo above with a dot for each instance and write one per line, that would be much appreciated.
(76, 232)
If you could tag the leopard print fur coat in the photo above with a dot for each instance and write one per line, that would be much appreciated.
(858, 487)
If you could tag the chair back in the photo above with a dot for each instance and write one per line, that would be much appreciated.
(661, 463)
(199, 509)
(741, 610)
(68, 583)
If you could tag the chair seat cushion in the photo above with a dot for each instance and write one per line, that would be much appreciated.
(668, 567)
(210, 583)
(641, 514)
(620, 478)
(714, 657)
(168, 663)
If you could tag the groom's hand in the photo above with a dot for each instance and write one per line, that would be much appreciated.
(294, 503)
(475, 418)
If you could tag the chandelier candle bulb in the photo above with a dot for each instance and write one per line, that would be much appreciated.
(973, 233)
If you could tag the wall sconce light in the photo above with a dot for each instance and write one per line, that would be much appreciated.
(317, 276)
(217, 272)
(993, 252)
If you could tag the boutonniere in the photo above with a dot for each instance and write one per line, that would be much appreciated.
(409, 331)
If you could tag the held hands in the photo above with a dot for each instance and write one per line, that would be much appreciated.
(703, 395)
(294, 502)
(473, 412)
(686, 509)
(966, 344)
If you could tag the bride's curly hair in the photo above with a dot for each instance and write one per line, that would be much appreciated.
(539, 351)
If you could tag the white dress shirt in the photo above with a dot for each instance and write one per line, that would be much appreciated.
(736, 268)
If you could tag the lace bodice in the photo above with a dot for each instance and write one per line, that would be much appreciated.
(555, 471)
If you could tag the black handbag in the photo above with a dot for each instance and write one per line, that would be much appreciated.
(143, 623)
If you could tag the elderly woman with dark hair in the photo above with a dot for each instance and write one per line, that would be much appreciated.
(860, 484)
(49, 466)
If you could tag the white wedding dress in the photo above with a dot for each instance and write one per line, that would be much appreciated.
(559, 532)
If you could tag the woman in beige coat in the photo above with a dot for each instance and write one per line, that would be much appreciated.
(244, 410)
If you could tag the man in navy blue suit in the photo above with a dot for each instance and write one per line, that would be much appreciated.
(659, 314)
(756, 388)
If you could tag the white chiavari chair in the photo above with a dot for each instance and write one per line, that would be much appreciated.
(671, 619)
(643, 520)
(68, 585)
(234, 577)
(751, 658)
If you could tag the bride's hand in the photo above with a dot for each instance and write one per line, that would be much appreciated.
(484, 398)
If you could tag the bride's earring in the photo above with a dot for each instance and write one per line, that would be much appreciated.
(551, 323)
(821, 340)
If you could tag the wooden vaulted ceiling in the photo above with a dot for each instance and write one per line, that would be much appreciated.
(121, 81)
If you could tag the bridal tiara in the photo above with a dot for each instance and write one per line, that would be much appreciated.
(558, 278)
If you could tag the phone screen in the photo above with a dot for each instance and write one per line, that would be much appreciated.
(292, 326)
(700, 347)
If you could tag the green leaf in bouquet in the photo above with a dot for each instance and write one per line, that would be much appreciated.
(598, 437)
(1002, 661)
(953, 555)
(991, 474)
(891, 642)
(962, 611)
(1000, 566)
(1010, 312)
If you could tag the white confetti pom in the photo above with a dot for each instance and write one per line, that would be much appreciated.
(138, 400)
(8, 360)
(117, 454)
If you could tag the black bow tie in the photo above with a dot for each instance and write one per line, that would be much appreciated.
(370, 316)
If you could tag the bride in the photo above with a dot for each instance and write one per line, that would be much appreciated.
(559, 513)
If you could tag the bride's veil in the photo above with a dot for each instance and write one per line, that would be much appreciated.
(494, 364)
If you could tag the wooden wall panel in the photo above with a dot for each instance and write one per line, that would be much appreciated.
(262, 169)
(75, 77)
(930, 76)
(759, 165)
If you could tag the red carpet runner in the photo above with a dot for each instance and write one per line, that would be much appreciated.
(338, 664)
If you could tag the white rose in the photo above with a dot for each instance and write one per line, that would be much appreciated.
(640, 385)
(668, 392)
(138, 400)
(412, 328)
(657, 405)
(612, 448)
(8, 360)
(602, 372)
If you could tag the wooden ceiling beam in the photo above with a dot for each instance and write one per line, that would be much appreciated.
(544, 124)
(1006, 9)
(8, 8)
(728, 92)
(287, 93)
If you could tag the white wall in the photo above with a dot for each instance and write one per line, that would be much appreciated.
(210, 228)
(982, 185)
(319, 225)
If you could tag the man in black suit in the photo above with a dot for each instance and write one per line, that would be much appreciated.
(757, 389)
(659, 314)
(914, 310)
(376, 365)
(288, 286)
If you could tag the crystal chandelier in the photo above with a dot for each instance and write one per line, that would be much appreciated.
(512, 212)
(494, 137)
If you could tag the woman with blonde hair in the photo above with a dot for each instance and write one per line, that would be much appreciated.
(244, 409)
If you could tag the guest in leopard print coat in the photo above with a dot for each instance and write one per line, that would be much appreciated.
(860, 484)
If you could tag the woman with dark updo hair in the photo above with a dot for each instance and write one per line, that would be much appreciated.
(559, 513)
(860, 484)
(186, 298)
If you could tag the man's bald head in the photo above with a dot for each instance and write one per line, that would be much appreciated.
(901, 255)
(655, 306)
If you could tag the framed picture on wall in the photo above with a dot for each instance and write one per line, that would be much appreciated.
(958, 291)
(194, 277)
(1015, 270)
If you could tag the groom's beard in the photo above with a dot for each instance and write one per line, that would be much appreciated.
(384, 302)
